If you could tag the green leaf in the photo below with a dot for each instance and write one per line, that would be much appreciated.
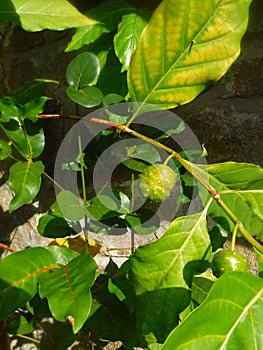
(44, 14)
(32, 108)
(129, 32)
(25, 181)
(29, 139)
(230, 318)
(8, 110)
(87, 97)
(83, 70)
(5, 150)
(70, 205)
(31, 90)
(184, 48)
(241, 187)
(145, 152)
(68, 290)
(106, 15)
(19, 274)
(157, 273)
(53, 226)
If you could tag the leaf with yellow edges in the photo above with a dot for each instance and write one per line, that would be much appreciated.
(186, 46)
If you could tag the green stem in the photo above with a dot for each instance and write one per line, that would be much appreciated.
(54, 182)
(234, 236)
(81, 161)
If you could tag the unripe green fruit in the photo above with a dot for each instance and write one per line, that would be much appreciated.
(158, 180)
(226, 260)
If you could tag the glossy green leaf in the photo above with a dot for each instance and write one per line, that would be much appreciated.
(31, 90)
(106, 14)
(62, 255)
(127, 37)
(157, 273)
(230, 318)
(8, 110)
(68, 290)
(19, 274)
(241, 187)
(70, 206)
(34, 107)
(44, 14)
(83, 70)
(25, 181)
(87, 97)
(5, 150)
(29, 139)
(185, 47)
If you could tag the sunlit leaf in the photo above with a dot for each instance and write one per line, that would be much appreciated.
(25, 181)
(106, 14)
(230, 318)
(83, 70)
(19, 274)
(43, 14)
(241, 187)
(129, 32)
(185, 47)
(68, 290)
(157, 273)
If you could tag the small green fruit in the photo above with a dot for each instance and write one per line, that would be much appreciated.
(226, 260)
(157, 182)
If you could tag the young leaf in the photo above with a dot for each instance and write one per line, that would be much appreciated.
(230, 318)
(25, 181)
(184, 48)
(106, 15)
(32, 108)
(129, 32)
(19, 273)
(83, 70)
(157, 273)
(87, 97)
(68, 290)
(53, 15)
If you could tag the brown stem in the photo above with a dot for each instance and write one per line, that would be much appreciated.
(5, 247)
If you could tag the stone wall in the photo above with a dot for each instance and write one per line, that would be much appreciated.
(227, 118)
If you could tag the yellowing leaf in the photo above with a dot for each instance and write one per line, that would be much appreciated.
(79, 244)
